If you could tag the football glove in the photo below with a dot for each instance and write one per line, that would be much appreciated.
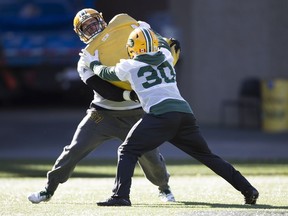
(89, 60)
(175, 48)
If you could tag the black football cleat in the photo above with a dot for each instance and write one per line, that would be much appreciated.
(251, 196)
(112, 201)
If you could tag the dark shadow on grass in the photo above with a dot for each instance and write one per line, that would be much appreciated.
(39, 168)
(186, 204)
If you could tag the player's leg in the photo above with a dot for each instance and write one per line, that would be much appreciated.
(152, 163)
(147, 134)
(154, 167)
(89, 134)
(190, 140)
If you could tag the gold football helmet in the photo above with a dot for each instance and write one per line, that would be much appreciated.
(141, 41)
(93, 28)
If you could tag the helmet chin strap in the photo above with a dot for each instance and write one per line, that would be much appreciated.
(91, 38)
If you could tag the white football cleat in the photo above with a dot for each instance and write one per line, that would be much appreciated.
(166, 196)
(42, 196)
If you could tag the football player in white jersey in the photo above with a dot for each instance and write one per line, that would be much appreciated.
(113, 111)
(168, 116)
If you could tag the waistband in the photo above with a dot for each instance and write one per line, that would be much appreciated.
(92, 105)
(136, 111)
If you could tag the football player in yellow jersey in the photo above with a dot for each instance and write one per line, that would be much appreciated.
(114, 109)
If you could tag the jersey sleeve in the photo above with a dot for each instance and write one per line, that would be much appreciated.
(84, 71)
(162, 42)
(122, 69)
(105, 89)
(105, 72)
(168, 55)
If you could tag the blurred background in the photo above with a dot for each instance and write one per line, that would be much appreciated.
(231, 50)
(233, 67)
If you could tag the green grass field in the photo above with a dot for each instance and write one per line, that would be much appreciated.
(197, 190)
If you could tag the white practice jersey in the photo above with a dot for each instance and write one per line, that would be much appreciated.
(152, 77)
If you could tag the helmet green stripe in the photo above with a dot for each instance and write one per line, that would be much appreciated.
(148, 39)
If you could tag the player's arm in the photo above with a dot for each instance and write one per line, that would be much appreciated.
(108, 73)
(175, 48)
(104, 88)
(172, 45)
(92, 62)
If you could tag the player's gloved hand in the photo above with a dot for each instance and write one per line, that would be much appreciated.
(175, 48)
(130, 96)
(90, 60)
(175, 44)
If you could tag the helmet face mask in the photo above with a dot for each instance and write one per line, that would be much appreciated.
(90, 29)
(88, 23)
(141, 41)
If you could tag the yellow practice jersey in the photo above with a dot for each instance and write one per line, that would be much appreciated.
(111, 43)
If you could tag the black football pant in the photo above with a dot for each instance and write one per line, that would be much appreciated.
(182, 131)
